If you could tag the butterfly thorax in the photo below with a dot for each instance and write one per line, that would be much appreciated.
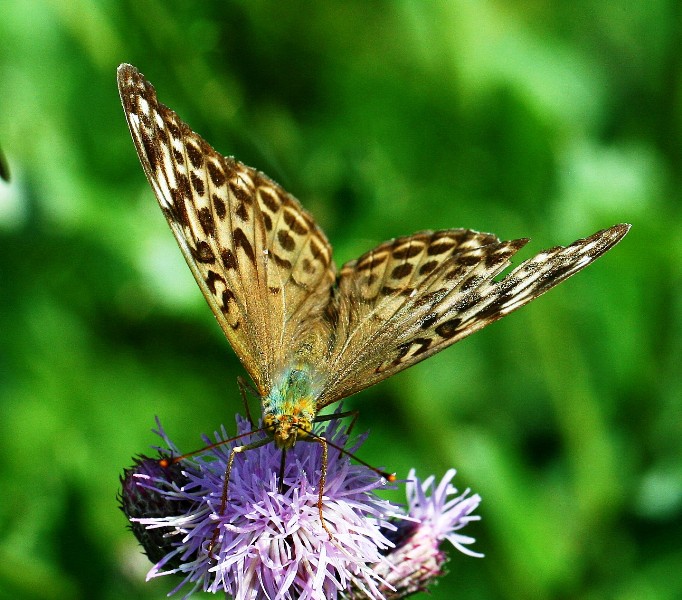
(289, 409)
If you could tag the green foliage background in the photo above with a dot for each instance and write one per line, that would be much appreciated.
(546, 119)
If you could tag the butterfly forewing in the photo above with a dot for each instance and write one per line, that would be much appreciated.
(422, 306)
(258, 257)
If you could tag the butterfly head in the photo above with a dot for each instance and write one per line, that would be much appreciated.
(286, 430)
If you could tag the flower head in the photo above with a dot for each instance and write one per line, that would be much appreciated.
(141, 498)
(416, 558)
(269, 542)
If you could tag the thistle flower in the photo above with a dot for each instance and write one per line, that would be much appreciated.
(416, 558)
(270, 542)
(141, 497)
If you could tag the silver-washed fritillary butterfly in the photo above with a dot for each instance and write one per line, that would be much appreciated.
(309, 335)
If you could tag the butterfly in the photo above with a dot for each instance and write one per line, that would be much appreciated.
(307, 334)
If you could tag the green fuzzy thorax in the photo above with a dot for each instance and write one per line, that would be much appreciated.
(293, 395)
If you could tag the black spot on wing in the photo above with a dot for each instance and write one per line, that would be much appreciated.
(211, 278)
(206, 220)
(219, 207)
(195, 155)
(449, 328)
(407, 251)
(198, 184)
(241, 241)
(228, 258)
(287, 242)
(203, 253)
(402, 271)
(216, 174)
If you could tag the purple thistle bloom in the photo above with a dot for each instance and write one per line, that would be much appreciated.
(271, 543)
(416, 558)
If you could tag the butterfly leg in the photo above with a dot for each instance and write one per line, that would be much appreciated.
(320, 440)
(282, 463)
(224, 498)
(323, 479)
(244, 387)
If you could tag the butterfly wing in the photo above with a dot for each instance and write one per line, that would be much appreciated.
(414, 296)
(262, 264)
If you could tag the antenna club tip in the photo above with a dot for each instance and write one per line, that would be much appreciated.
(164, 463)
(391, 477)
